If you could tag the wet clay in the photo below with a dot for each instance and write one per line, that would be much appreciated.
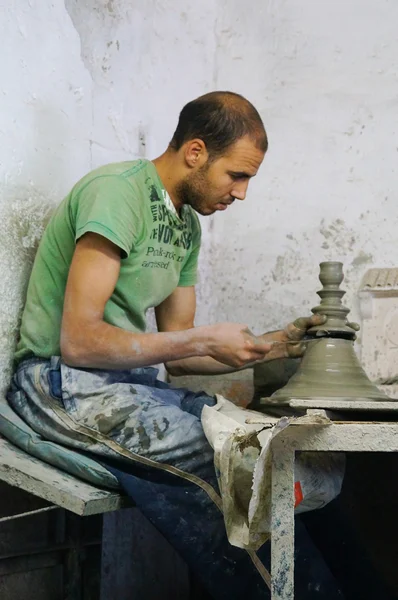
(330, 367)
(331, 276)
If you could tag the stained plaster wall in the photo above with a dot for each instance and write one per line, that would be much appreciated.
(90, 81)
(324, 76)
(84, 83)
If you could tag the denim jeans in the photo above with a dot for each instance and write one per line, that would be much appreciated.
(150, 436)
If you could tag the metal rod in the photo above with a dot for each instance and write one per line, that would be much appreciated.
(29, 513)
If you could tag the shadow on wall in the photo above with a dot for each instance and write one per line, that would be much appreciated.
(24, 213)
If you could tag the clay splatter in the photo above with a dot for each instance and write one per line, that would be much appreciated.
(145, 440)
(287, 267)
(160, 432)
(338, 237)
(362, 259)
(107, 422)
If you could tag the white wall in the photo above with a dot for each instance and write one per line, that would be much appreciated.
(86, 82)
(83, 83)
(324, 76)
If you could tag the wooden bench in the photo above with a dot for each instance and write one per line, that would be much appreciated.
(19, 469)
(51, 550)
(124, 557)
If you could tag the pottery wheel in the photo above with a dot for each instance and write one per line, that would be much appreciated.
(330, 376)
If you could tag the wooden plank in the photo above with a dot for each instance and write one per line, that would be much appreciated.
(30, 562)
(41, 584)
(339, 437)
(20, 470)
(342, 404)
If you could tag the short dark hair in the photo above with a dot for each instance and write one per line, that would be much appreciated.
(219, 119)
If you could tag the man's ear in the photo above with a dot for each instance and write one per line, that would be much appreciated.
(195, 153)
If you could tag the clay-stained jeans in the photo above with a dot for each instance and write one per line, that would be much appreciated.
(150, 436)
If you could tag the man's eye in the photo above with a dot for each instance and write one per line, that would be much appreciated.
(238, 176)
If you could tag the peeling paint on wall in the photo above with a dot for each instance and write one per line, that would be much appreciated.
(85, 83)
(22, 221)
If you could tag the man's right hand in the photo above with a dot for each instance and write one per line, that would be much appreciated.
(88, 341)
(234, 345)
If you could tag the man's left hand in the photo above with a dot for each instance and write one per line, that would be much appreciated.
(288, 340)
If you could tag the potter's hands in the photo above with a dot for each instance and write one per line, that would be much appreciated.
(235, 345)
(354, 326)
(294, 332)
(287, 342)
(298, 329)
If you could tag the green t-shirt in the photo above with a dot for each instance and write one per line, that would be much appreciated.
(126, 203)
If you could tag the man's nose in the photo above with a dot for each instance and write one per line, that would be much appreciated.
(239, 190)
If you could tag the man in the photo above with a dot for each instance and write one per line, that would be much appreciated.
(125, 239)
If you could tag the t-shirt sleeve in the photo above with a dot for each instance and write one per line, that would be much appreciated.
(189, 271)
(109, 205)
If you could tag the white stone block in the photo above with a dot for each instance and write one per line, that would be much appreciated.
(378, 303)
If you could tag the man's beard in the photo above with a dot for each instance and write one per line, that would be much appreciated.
(194, 190)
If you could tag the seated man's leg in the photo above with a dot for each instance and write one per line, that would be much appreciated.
(165, 462)
(167, 469)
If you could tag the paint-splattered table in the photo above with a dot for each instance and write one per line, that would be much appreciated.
(348, 435)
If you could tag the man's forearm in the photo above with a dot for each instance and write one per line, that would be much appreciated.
(206, 365)
(104, 346)
(199, 365)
